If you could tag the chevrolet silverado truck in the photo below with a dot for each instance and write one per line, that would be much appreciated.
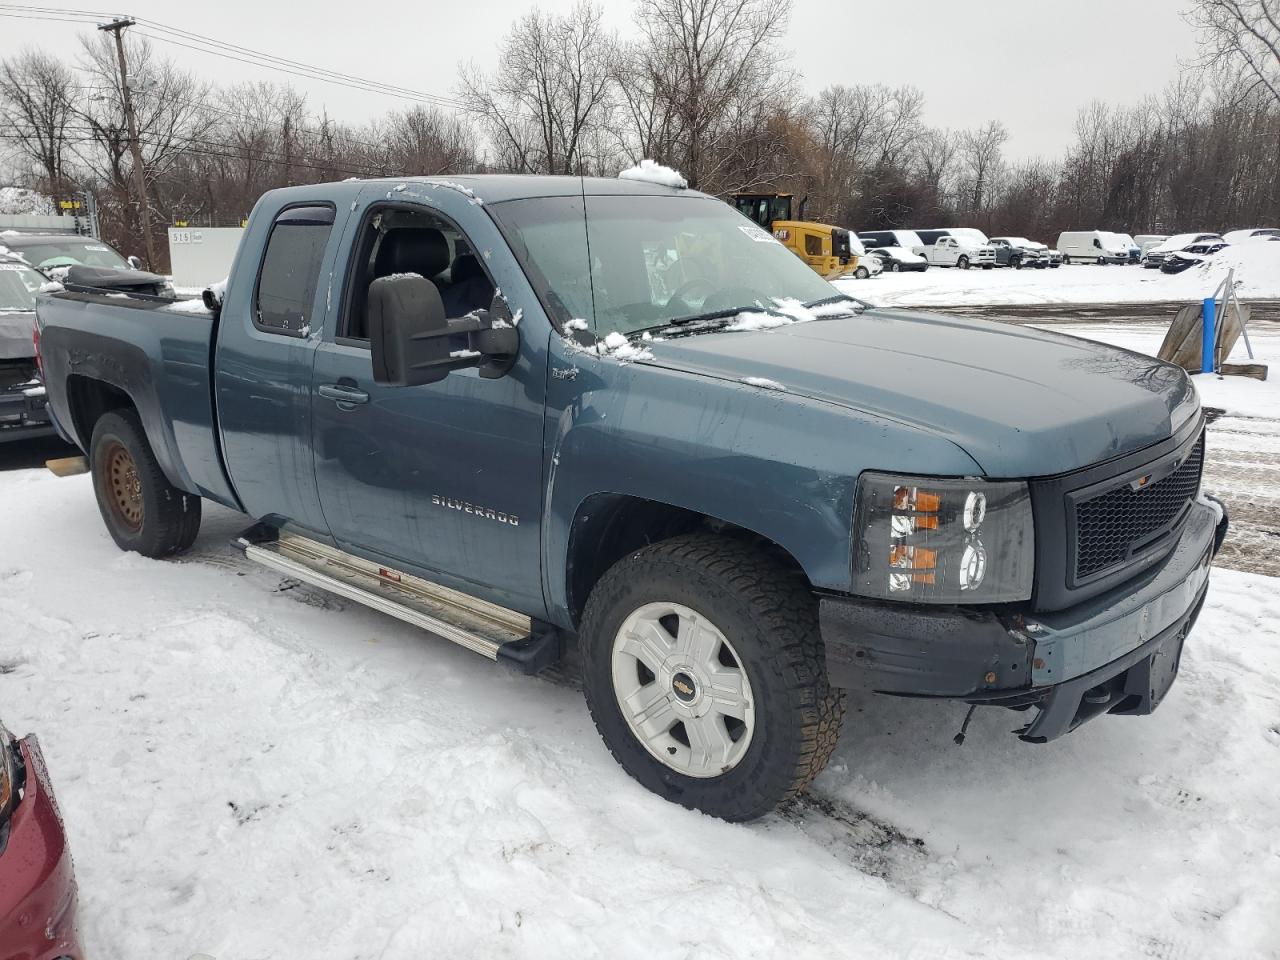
(618, 422)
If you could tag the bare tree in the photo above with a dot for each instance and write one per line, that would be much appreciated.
(706, 64)
(172, 117)
(36, 91)
(552, 85)
(1244, 34)
(980, 150)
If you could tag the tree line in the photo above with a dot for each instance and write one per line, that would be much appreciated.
(700, 85)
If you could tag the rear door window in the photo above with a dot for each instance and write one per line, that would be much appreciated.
(290, 273)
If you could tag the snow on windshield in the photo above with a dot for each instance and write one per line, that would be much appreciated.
(650, 172)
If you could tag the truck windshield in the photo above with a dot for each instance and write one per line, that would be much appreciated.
(70, 252)
(628, 263)
(18, 286)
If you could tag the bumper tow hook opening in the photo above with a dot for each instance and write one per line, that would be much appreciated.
(1097, 695)
(959, 737)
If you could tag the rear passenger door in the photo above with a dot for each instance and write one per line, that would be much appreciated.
(266, 343)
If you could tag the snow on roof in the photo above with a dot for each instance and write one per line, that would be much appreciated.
(651, 172)
(1180, 240)
(1235, 236)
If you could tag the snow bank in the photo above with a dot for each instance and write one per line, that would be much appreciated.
(764, 383)
(651, 172)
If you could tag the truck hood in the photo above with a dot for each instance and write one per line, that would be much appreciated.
(15, 334)
(1021, 402)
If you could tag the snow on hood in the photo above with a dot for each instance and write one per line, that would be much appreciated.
(1178, 241)
(651, 172)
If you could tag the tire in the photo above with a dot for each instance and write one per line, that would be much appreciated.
(862, 273)
(895, 267)
(1016, 263)
(143, 511)
(1065, 260)
(963, 263)
(763, 623)
(1102, 261)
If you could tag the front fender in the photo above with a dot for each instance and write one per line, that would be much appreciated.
(779, 464)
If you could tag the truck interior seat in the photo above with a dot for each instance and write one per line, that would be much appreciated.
(421, 250)
(469, 287)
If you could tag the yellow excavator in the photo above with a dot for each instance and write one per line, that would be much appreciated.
(823, 247)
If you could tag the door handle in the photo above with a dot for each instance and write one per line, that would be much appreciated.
(342, 394)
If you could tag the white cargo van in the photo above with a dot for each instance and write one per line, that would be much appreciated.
(1091, 246)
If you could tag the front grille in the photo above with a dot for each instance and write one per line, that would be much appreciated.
(1114, 525)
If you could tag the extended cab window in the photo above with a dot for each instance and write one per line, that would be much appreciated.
(291, 269)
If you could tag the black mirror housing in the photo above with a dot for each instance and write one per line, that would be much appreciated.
(408, 332)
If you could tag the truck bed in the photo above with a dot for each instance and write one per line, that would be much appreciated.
(160, 354)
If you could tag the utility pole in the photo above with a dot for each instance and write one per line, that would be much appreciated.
(139, 175)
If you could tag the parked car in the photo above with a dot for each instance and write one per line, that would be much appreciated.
(1018, 252)
(37, 881)
(1091, 246)
(907, 240)
(22, 402)
(48, 252)
(897, 260)
(1146, 241)
(865, 266)
(942, 249)
(738, 491)
(1238, 236)
(1155, 256)
(1126, 243)
(1189, 256)
(869, 266)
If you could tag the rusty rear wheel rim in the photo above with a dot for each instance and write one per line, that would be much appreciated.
(124, 486)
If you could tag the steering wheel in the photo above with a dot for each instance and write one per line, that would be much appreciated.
(688, 286)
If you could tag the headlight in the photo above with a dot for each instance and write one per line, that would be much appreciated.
(926, 540)
(8, 775)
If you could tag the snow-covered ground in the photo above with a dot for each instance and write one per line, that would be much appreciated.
(249, 768)
(1256, 265)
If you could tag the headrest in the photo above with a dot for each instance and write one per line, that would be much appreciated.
(467, 267)
(421, 250)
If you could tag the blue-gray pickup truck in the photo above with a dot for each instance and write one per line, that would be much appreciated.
(536, 415)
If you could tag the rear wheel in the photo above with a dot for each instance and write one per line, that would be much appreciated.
(142, 510)
(704, 672)
(1066, 259)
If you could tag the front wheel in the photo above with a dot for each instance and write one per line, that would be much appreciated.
(895, 267)
(1066, 260)
(143, 511)
(862, 273)
(963, 263)
(1015, 263)
(704, 672)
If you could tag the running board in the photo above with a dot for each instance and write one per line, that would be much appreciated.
(482, 627)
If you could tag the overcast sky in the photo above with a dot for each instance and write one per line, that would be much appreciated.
(1031, 65)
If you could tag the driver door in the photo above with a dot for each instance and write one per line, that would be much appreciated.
(442, 479)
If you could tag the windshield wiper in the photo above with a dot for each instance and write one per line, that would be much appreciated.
(836, 299)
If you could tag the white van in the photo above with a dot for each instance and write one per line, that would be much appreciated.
(1091, 246)
(906, 239)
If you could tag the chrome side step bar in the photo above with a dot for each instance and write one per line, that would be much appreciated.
(482, 627)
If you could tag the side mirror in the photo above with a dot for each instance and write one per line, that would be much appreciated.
(134, 263)
(408, 332)
(497, 340)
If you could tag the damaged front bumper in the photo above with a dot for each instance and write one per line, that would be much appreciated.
(23, 413)
(1114, 653)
